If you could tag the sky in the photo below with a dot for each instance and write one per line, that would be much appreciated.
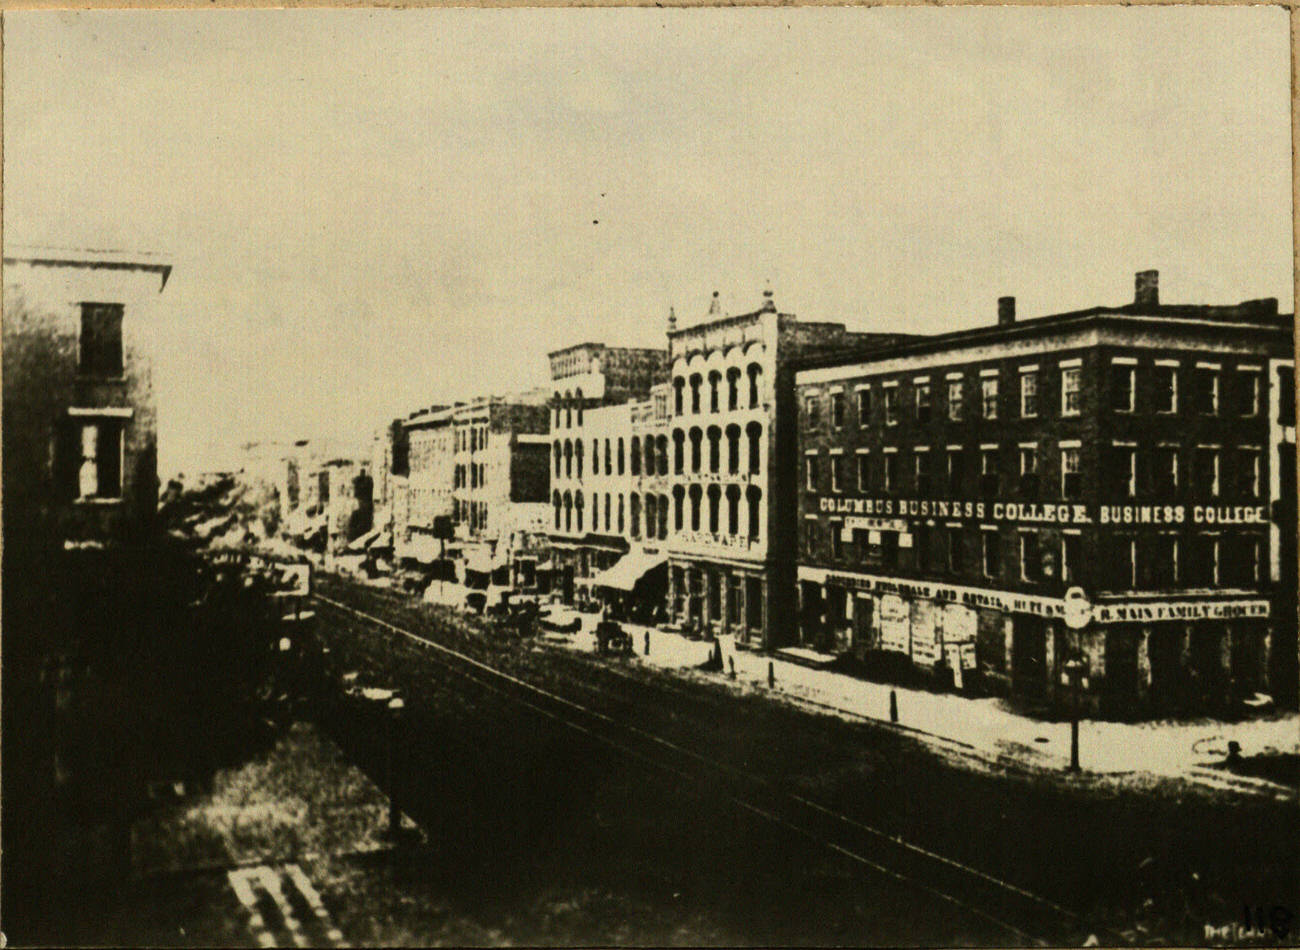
(373, 211)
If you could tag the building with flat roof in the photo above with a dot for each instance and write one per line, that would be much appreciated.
(956, 491)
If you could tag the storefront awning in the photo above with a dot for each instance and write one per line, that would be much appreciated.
(480, 561)
(383, 540)
(629, 569)
(357, 545)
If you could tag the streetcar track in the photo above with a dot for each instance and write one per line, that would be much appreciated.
(448, 657)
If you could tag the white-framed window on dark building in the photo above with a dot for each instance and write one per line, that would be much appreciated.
(988, 470)
(1203, 564)
(1028, 393)
(811, 474)
(1165, 387)
(923, 555)
(1121, 470)
(1118, 561)
(956, 400)
(837, 473)
(1071, 388)
(891, 471)
(863, 459)
(1248, 390)
(1031, 557)
(864, 406)
(812, 411)
(891, 404)
(1029, 470)
(836, 530)
(922, 395)
(810, 533)
(1248, 471)
(990, 552)
(101, 339)
(1071, 479)
(921, 471)
(955, 550)
(1164, 471)
(956, 465)
(989, 397)
(99, 466)
(837, 410)
(1071, 557)
(1122, 384)
(1205, 475)
(1160, 561)
(1207, 389)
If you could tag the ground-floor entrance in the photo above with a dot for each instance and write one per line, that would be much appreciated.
(719, 599)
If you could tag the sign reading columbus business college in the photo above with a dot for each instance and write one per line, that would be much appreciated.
(1032, 512)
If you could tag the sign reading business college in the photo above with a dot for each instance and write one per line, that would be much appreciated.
(1046, 513)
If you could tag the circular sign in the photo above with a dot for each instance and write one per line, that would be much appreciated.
(1078, 609)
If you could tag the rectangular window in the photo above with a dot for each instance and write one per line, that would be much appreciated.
(922, 471)
(1029, 472)
(1122, 469)
(1206, 475)
(810, 538)
(864, 472)
(891, 406)
(1028, 395)
(1071, 558)
(955, 396)
(1248, 474)
(1207, 391)
(922, 402)
(891, 471)
(1164, 472)
(989, 396)
(837, 473)
(837, 539)
(889, 548)
(1286, 395)
(99, 474)
(1160, 561)
(1248, 384)
(1071, 486)
(812, 411)
(864, 407)
(101, 339)
(989, 472)
(1203, 565)
(1071, 398)
(810, 472)
(921, 547)
(837, 410)
(991, 554)
(1031, 558)
(1166, 389)
(1121, 387)
(956, 471)
(1117, 563)
(956, 562)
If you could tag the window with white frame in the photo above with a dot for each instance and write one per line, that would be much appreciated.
(1071, 396)
(810, 472)
(864, 472)
(1031, 557)
(1028, 394)
(99, 472)
(922, 392)
(1165, 379)
(991, 553)
(956, 395)
(837, 473)
(1071, 486)
(989, 396)
(891, 471)
(891, 405)
(1122, 387)
(864, 406)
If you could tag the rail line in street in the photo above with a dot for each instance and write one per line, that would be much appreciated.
(1015, 911)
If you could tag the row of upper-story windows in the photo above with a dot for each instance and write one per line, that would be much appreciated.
(1157, 561)
(650, 455)
(469, 476)
(1164, 471)
(471, 438)
(717, 392)
(1157, 389)
(570, 513)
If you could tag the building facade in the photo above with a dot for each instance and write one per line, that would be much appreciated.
(730, 537)
(80, 423)
(953, 489)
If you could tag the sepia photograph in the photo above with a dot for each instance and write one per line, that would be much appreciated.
(580, 477)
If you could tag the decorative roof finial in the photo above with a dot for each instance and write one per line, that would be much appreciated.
(672, 319)
(715, 307)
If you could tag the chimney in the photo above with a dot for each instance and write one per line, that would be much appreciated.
(1146, 292)
(672, 320)
(768, 305)
(1006, 310)
(715, 308)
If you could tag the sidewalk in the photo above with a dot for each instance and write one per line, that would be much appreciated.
(984, 726)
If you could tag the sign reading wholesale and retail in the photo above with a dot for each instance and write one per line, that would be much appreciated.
(1026, 512)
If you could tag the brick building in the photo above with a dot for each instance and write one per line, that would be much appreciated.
(601, 514)
(730, 539)
(953, 488)
(80, 424)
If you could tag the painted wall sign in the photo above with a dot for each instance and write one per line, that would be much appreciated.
(1181, 610)
(884, 510)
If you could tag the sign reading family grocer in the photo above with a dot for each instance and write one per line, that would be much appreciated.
(1032, 512)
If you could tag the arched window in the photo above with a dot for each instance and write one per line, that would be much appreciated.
(649, 456)
(555, 500)
(559, 458)
(609, 469)
(733, 388)
(755, 372)
(755, 497)
(651, 515)
(577, 449)
(634, 509)
(733, 509)
(568, 410)
(662, 444)
(755, 432)
(679, 451)
(568, 459)
(568, 512)
(578, 398)
(733, 449)
(595, 512)
(696, 437)
(715, 444)
(556, 406)
(595, 456)
(620, 514)
(620, 455)
(695, 507)
(577, 503)
(679, 496)
(607, 521)
(715, 494)
(663, 517)
(715, 383)
(636, 455)
(679, 387)
(695, 393)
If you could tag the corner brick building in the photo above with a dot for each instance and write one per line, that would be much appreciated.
(953, 488)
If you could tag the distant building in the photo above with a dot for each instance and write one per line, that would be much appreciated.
(731, 534)
(953, 488)
(80, 425)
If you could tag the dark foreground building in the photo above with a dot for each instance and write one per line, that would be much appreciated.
(953, 489)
